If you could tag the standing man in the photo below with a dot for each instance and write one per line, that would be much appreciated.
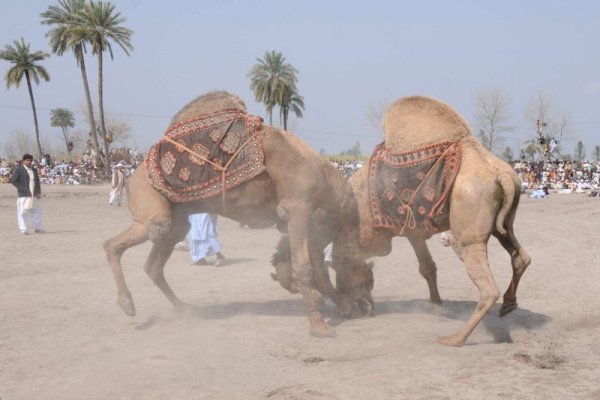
(118, 184)
(203, 239)
(27, 181)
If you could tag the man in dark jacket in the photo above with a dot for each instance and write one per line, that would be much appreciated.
(27, 181)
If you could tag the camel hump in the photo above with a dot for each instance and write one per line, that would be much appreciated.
(209, 103)
(418, 121)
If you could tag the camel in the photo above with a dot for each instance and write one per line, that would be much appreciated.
(482, 202)
(295, 182)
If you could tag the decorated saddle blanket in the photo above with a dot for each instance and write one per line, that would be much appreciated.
(410, 190)
(211, 153)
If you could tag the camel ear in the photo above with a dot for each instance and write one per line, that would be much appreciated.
(369, 265)
(274, 277)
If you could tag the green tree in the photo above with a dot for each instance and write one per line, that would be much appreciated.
(67, 35)
(103, 27)
(25, 65)
(271, 79)
(596, 153)
(353, 152)
(291, 101)
(579, 153)
(507, 154)
(63, 118)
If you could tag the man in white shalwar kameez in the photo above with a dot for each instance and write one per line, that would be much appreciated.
(27, 181)
(203, 238)
(118, 184)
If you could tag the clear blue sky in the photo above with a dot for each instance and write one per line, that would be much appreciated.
(350, 55)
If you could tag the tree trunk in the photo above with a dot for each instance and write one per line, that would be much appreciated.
(285, 118)
(35, 121)
(101, 115)
(90, 108)
(64, 132)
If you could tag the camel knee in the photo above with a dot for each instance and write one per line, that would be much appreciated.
(158, 228)
(521, 261)
(488, 298)
(113, 248)
(428, 270)
(303, 274)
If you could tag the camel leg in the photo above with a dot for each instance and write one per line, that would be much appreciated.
(475, 256)
(159, 254)
(427, 267)
(322, 280)
(114, 249)
(520, 260)
(299, 220)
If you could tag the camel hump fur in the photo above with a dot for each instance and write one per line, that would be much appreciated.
(417, 121)
(209, 103)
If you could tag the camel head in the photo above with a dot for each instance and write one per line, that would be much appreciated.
(354, 281)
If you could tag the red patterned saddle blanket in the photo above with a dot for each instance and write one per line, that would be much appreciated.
(409, 190)
(207, 148)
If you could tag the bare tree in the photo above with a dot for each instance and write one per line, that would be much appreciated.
(492, 118)
(20, 142)
(548, 126)
(376, 112)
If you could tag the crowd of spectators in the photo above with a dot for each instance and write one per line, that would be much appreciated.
(347, 167)
(82, 172)
(560, 175)
(575, 176)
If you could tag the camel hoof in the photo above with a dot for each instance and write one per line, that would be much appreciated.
(450, 341)
(322, 332)
(127, 305)
(507, 308)
(436, 300)
(318, 326)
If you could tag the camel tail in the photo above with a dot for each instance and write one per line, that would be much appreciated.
(507, 184)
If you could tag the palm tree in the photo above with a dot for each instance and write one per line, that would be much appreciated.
(67, 34)
(103, 25)
(63, 118)
(291, 101)
(270, 79)
(25, 65)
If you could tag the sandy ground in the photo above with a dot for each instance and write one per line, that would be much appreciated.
(62, 336)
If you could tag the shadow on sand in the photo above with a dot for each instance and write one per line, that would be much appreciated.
(498, 328)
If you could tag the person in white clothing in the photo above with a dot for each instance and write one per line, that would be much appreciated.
(203, 238)
(27, 181)
(118, 184)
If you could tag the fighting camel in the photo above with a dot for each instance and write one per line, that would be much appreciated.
(239, 169)
(479, 196)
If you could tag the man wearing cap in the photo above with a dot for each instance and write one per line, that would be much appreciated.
(27, 181)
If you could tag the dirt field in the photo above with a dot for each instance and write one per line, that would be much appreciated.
(62, 336)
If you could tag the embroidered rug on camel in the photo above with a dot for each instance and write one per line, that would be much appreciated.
(408, 190)
(192, 169)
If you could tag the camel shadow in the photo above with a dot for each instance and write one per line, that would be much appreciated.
(498, 327)
(271, 308)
